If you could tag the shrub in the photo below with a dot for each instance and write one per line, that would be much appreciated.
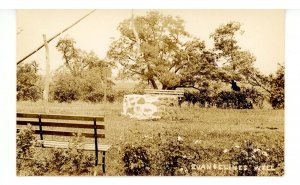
(232, 99)
(136, 160)
(176, 157)
(169, 154)
(25, 141)
(277, 100)
(249, 156)
(66, 88)
(202, 97)
(166, 155)
(276, 159)
(255, 96)
(119, 95)
(110, 97)
(34, 160)
(87, 87)
(71, 161)
(95, 96)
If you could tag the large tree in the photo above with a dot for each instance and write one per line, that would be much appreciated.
(77, 60)
(236, 63)
(159, 53)
(229, 55)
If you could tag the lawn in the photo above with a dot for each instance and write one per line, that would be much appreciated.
(217, 129)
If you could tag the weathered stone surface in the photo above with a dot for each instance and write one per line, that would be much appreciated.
(141, 101)
(147, 106)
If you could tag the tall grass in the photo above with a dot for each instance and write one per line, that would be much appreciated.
(215, 129)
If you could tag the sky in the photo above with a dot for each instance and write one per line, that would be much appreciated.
(264, 31)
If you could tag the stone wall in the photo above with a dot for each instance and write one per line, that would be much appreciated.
(147, 106)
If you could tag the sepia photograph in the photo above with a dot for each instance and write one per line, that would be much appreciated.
(137, 92)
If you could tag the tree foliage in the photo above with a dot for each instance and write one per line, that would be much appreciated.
(167, 55)
(28, 82)
(77, 60)
(164, 49)
(236, 63)
(277, 88)
(88, 86)
(83, 77)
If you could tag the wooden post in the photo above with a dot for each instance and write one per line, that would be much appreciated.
(56, 35)
(47, 76)
(105, 87)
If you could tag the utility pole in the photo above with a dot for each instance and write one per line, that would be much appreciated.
(56, 35)
(47, 76)
(105, 86)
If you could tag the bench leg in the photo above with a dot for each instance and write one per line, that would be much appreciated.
(103, 162)
(96, 158)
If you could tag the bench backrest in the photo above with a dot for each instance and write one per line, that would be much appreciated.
(179, 93)
(45, 123)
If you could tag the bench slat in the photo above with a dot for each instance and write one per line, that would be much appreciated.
(83, 118)
(164, 92)
(62, 144)
(59, 116)
(92, 147)
(65, 133)
(54, 124)
(27, 115)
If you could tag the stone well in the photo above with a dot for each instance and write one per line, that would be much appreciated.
(147, 106)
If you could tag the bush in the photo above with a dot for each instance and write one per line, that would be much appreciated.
(277, 100)
(66, 88)
(136, 160)
(249, 157)
(169, 154)
(87, 87)
(244, 99)
(255, 96)
(34, 160)
(202, 97)
(71, 161)
(232, 99)
(110, 97)
(95, 96)
(176, 157)
(25, 141)
(253, 157)
(161, 156)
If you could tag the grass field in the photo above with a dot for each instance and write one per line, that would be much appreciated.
(218, 129)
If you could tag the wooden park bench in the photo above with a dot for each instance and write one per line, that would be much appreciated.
(67, 125)
(179, 93)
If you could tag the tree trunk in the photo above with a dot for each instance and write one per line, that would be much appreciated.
(153, 83)
(47, 76)
(164, 87)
